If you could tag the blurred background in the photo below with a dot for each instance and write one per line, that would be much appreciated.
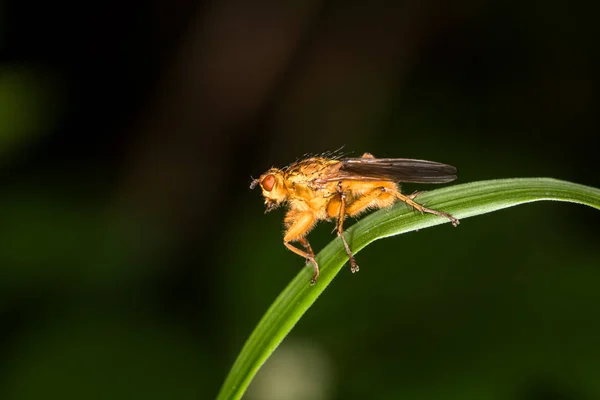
(135, 261)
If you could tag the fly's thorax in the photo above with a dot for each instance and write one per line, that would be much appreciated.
(310, 169)
(315, 204)
(299, 204)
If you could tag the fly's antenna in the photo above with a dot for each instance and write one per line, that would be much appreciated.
(254, 182)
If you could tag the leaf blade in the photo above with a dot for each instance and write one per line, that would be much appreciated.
(463, 201)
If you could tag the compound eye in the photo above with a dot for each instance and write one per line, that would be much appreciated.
(268, 182)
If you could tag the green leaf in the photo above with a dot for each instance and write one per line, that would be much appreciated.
(462, 201)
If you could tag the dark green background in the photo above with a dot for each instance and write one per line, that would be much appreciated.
(135, 261)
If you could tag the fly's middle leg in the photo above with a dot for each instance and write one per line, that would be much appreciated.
(340, 231)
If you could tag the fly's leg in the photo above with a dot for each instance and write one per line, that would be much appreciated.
(340, 230)
(384, 196)
(409, 200)
(308, 257)
(298, 224)
(304, 242)
(415, 194)
(375, 198)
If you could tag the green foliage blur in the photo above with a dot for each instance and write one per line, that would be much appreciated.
(135, 261)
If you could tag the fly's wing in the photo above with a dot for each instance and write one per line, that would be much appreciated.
(394, 169)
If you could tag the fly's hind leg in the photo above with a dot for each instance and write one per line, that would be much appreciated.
(298, 225)
(340, 231)
(415, 194)
(384, 196)
(422, 209)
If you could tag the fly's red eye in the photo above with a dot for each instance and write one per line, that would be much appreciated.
(268, 182)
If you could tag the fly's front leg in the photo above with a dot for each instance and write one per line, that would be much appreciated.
(309, 249)
(298, 224)
(340, 229)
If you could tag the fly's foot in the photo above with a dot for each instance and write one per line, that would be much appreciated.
(453, 220)
(316, 274)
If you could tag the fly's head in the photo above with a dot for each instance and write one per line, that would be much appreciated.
(273, 188)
